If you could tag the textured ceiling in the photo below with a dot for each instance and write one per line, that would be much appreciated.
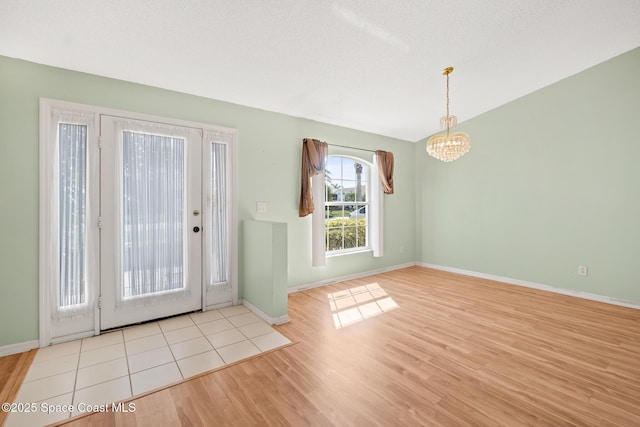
(373, 65)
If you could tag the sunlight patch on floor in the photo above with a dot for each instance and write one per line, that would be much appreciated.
(359, 303)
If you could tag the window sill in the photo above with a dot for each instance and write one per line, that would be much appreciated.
(333, 254)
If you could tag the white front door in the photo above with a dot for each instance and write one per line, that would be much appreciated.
(151, 222)
(120, 196)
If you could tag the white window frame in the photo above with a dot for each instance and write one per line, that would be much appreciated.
(376, 216)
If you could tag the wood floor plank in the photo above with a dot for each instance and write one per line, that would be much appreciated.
(422, 347)
(13, 370)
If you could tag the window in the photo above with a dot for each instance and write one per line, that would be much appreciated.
(348, 215)
(347, 199)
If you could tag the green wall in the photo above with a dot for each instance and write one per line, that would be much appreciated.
(552, 181)
(535, 197)
(269, 168)
(266, 251)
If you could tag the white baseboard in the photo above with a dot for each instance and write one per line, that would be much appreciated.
(20, 347)
(264, 316)
(299, 288)
(533, 285)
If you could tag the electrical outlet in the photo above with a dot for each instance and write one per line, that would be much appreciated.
(261, 207)
(582, 270)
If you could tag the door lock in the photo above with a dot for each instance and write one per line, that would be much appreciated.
(196, 229)
(196, 212)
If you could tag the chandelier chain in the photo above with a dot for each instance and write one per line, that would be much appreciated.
(448, 118)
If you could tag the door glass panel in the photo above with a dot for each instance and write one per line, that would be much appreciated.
(219, 214)
(153, 241)
(72, 166)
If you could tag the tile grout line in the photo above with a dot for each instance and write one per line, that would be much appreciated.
(75, 380)
(171, 350)
(126, 358)
(210, 343)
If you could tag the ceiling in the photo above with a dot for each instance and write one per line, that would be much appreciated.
(372, 65)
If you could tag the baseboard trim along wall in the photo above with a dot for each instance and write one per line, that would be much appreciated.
(264, 316)
(19, 347)
(533, 285)
(299, 288)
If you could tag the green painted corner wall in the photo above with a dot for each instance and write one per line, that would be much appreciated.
(265, 283)
(268, 161)
(551, 182)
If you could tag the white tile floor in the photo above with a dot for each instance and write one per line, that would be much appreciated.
(121, 364)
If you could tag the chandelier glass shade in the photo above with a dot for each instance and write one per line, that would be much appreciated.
(448, 146)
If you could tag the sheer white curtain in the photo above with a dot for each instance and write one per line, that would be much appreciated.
(220, 230)
(72, 203)
(377, 211)
(219, 216)
(318, 229)
(68, 246)
(153, 209)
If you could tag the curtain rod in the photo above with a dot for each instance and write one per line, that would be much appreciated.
(352, 148)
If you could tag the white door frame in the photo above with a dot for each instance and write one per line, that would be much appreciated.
(82, 323)
(48, 269)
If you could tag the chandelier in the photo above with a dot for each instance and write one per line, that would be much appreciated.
(448, 146)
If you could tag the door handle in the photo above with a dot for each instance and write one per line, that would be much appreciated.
(196, 229)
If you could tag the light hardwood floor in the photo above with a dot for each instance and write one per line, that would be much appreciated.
(449, 350)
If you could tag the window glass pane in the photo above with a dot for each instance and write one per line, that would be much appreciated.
(334, 235)
(361, 232)
(350, 238)
(153, 214)
(346, 199)
(219, 220)
(72, 164)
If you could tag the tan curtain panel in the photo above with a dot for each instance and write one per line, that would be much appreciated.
(314, 158)
(385, 167)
